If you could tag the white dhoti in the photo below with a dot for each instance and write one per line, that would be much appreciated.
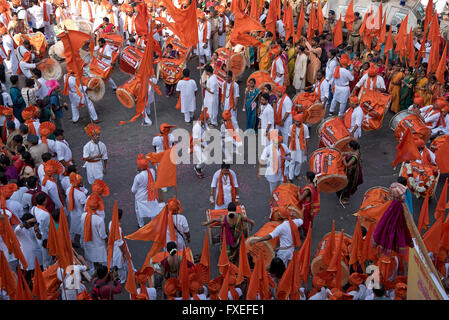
(341, 95)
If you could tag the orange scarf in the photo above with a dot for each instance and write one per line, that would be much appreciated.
(235, 134)
(274, 70)
(72, 197)
(441, 121)
(63, 16)
(337, 72)
(301, 138)
(44, 182)
(278, 114)
(205, 32)
(88, 226)
(66, 90)
(348, 118)
(220, 195)
(431, 112)
(274, 152)
(368, 83)
(165, 135)
(231, 96)
(319, 89)
(426, 160)
(44, 7)
(30, 124)
(88, 6)
(152, 191)
(133, 27)
(43, 208)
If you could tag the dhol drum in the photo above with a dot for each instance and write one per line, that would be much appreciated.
(171, 70)
(97, 87)
(51, 69)
(214, 229)
(334, 134)
(70, 24)
(84, 25)
(405, 119)
(266, 248)
(420, 178)
(310, 105)
(317, 265)
(374, 105)
(127, 92)
(262, 78)
(373, 206)
(438, 142)
(177, 45)
(101, 69)
(237, 62)
(57, 50)
(130, 59)
(285, 195)
(115, 42)
(327, 164)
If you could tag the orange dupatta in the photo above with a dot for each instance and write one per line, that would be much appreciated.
(220, 195)
(88, 226)
(72, 197)
(231, 96)
(80, 6)
(348, 117)
(152, 192)
(293, 137)
(278, 114)
(44, 8)
(44, 182)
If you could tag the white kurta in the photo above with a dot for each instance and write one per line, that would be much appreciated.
(279, 79)
(94, 170)
(286, 107)
(181, 227)
(43, 218)
(286, 246)
(299, 79)
(51, 189)
(299, 155)
(187, 90)
(158, 142)
(356, 119)
(198, 132)
(144, 208)
(13, 62)
(431, 118)
(95, 250)
(211, 99)
(342, 91)
(79, 200)
(30, 246)
(236, 95)
(75, 100)
(363, 82)
(222, 38)
(202, 51)
(266, 117)
(324, 89)
(227, 188)
(15, 207)
(267, 157)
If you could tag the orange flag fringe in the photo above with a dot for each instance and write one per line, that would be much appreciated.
(184, 276)
(320, 18)
(6, 276)
(441, 157)
(39, 288)
(223, 293)
(205, 255)
(114, 233)
(300, 23)
(166, 170)
(304, 257)
(223, 260)
(185, 24)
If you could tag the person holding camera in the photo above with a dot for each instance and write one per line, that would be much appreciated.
(106, 284)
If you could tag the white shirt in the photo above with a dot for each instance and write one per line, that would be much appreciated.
(63, 151)
(30, 245)
(158, 142)
(36, 14)
(182, 226)
(432, 117)
(380, 83)
(187, 90)
(266, 116)
(51, 189)
(228, 92)
(106, 51)
(140, 185)
(286, 107)
(324, 89)
(284, 233)
(95, 250)
(227, 188)
(26, 68)
(267, 157)
(43, 91)
(281, 29)
(330, 69)
(43, 218)
(356, 119)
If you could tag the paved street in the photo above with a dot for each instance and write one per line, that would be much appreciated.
(126, 141)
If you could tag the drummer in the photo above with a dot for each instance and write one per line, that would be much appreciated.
(354, 117)
(427, 156)
(443, 123)
(104, 52)
(298, 137)
(321, 87)
(284, 232)
(371, 80)
(340, 81)
(283, 110)
(431, 114)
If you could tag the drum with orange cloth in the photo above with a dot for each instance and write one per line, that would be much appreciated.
(130, 59)
(237, 62)
(374, 105)
(96, 86)
(178, 46)
(101, 69)
(309, 104)
(438, 142)
(334, 134)
(127, 92)
(330, 172)
(115, 42)
(405, 119)
(317, 265)
(266, 248)
(215, 230)
(171, 69)
(262, 78)
(373, 206)
(285, 195)
(420, 178)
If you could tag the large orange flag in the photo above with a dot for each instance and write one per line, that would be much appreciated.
(320, 18)
(185, 24)
(114, 233)
(401, 37)
(73, 41)
(382, 35)
(243, 26)
(338, 33)
(223, 260)
(223, 294)
(434, 38)
(300, 23)
(304, 258)
(335, 265)
(349, 16)
(52, 240)
(254, 12)
(410, 49)
(330, 246)
(441, 157)
(388, 46)
(433, 236)
(287, 282)
(423, 222)
(259, 283)
(369, 252)
(39, 287)
(10, 240)
(184, 276)
(205, 255)
(288, 22)
(356, 245)
(406, 150)
(270, 22)
(312, 24)
(130, 284)
(237, 6)
(363, 26)
(434, 31)
(441, 206)
(429, 15)
(166, 170)
(421, 50)
(6, 276)
(65, 250)
(244, 269)
(141, 20)
(442, 66)
(20, 292)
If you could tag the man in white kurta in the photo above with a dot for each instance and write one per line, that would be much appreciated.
(181, 225)
(118, 258)
(79, 200)
(229, 84)
(187, 93)
(144, 208)
(96, 156)
(147, 112)
(283, 107)
(227, 187)
(51, 189)
(371, 82)
(104, 52)
(29, 243)
(204, 31)
(76, 100)
(199, 130)
(43, 218)
(298, 154)
(12, 260)
(211, 95)
(266, 118)
(431, 115)
(321, 87)
(231, 140)
(11, 60)
(442, 127)
(222, 29)
(277, 69)
(355, 113)
(95, 250)
(86, 10)
(341, 83)
(299, 78)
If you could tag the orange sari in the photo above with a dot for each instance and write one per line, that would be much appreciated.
(395, 91)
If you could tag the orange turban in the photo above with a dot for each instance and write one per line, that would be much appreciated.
(357, 278)
(354, 99)
(75, 179)
(276, 50)
(90, 131)
(174, 205)
(30, 112)
(3, 30)
(372, 70)
(441, 103)
(419, 101)
(227, 115)
(280, 89)
(52, 167)
(220, 8)
(284, 212)
(142, 276)
(142, 163)
(299, 117)
(93, 202)
(100, 187)
(46, 128)
(318, 281)
(204, 116)
(165, 127)
(345, 60)
(16, 2)
(129, 9)
(201, 15)
(7, 111)
(445, 109)
(214, 285)
(8, 190)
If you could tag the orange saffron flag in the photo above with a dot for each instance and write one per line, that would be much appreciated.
(383, 34)
(284, 288)
(441, 206)
(52, 240)
(312, 24)
(410, 49)
(356, 245)
(141, 20)
(6, 276)
(320, 18)
(10, 240)
(130, 284)
(304, 257)
(423, 222)
(259, 283)
(401, 37)
(223, 260)
(442, 66)
(39, 287)
(441, 157)
(288, 22)
(186, 23)
(406, 150)
(65, 250)
(73, 41)
(349, 16)
(223, 294)
(114, 233)
(300, 23)
(338, 33)
(433, 236)
(244, 269)
(429, 15)
(254, 12)
(270, 22)
(184, 276)
(330, 246)
(369, 252)
(205, 255)
(166, 170)
(243, 26)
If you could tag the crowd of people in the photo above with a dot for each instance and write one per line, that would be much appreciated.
(44, 201)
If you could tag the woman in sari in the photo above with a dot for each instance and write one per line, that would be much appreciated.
(407, 88)
(314, 53)
(264, 57)
(233, 224)
(433, 91)
(395, 87)
(421, 84)
(309, 198)
(353, 163)
(250, 106)
(291, 60)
